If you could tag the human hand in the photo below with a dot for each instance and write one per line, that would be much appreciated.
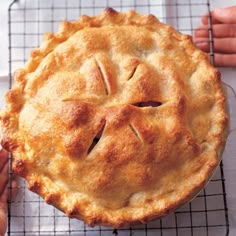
(3, 190)
(224, 36)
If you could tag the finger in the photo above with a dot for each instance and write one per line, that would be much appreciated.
(218, 31)
(202, 31)
(3, 201)
(3, 157)
(3, 196)
(225, 15)
(221, 15)
(3, 206)
(14, 189)
(221, 45)
(225, 60)
(203, 44)
(3, 178)
(205, 20)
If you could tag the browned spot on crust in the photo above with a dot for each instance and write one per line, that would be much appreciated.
(74, 113)
(34, 186)
(74, 211)
(19, 167)
(110, 11)
(52, 198)
(120, 116)
(8, 144)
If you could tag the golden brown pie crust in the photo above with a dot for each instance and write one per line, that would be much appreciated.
(117, 119)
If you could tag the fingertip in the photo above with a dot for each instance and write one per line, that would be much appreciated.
(201, 31)
(217, 14)
(14, 183)
(196, 31)
(204, 19)
(14, 186)
(204, 46)
(214, 18)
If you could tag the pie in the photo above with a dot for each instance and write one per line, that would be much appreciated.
(116, 119)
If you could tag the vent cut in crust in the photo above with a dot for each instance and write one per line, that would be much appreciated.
(116, 119)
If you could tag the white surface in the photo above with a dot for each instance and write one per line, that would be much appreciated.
(3, 37)
(3, 89)
(228, 76)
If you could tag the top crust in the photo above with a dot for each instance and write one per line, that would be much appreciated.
(116, 119)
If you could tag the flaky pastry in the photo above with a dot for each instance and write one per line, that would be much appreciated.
(116, 119)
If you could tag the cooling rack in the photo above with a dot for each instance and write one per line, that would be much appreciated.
(28, 214)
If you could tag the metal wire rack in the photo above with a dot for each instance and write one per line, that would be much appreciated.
(206, 215)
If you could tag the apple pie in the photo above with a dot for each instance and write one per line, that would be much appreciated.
(116, 119)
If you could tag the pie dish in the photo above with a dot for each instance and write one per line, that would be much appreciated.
(116, 119)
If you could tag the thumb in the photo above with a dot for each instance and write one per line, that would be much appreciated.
(225, 15)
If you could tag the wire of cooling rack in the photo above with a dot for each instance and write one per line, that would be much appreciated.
(28, 214)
